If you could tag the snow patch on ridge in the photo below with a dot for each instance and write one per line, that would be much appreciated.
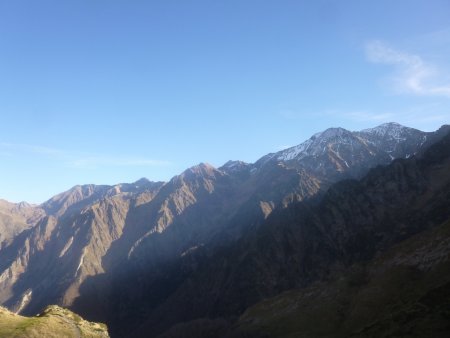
(316, 145)
(81, 262)
(25, 300)
(390, 130)
(291, 153)
(322, 142)
(66, 247)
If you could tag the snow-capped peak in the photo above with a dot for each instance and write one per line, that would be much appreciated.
(232, 164)
(391, 129)
(315, 145)
(293, 152)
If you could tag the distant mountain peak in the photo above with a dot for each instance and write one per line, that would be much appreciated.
(338, 149)
(202, 166)
(331, 133)
(234, 166)
(142, 181)
(23, 205)
(232, 163)
(201, 169)
(315, 145)
(392, 129)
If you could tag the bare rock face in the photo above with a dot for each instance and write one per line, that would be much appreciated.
(15, 218)
(48, 262)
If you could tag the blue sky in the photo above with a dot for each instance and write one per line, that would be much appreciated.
(109, 91)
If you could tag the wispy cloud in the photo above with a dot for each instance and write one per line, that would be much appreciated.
(93, 162)
(36, 149)
(412, 73)
(78, 160)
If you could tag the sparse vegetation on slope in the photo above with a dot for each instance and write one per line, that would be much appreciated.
(54, 321)
(402, 293)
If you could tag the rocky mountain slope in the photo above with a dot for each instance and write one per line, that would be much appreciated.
(48, 262)
(403, 292)
(15, 218)
(152, 237)
(54, 321)
(306, 242)
(337, 151)
(153, 284)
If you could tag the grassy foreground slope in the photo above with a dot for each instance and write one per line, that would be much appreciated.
(54, 321)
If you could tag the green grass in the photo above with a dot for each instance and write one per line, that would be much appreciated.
(53, 322)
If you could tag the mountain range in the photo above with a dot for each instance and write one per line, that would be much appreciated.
(195, 253)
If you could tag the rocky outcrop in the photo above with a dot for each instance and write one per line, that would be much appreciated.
(54, 321)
